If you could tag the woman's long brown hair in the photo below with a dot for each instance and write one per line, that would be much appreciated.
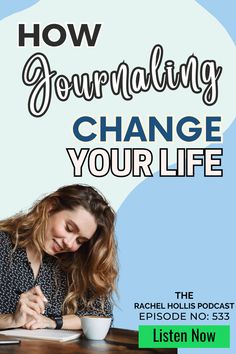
(93, 268)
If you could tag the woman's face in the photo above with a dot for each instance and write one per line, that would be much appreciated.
(67, 230)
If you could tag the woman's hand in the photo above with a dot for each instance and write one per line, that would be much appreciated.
(29, 308)
(40, 322)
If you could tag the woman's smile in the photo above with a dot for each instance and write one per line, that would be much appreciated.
(56, 246)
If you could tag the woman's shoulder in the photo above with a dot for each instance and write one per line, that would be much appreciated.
(5, 237)
(5, 246)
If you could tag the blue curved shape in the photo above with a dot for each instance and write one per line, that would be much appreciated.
(224, 11)
(8, 8)
(178, 233)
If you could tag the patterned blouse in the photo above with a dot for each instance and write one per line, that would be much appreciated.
(16, 277)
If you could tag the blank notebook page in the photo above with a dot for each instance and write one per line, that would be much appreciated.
(46, 334)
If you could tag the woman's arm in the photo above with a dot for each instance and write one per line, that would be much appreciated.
(29, 308)
(99, 308)
(17, 319)
(6, 321)
(69, 322)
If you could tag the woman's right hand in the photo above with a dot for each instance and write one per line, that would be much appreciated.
(30, 305)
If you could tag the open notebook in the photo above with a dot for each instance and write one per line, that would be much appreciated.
(46, 334)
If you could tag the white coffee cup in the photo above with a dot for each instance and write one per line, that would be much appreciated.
(95, 328)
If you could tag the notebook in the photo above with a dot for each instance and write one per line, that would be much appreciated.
(46, 334)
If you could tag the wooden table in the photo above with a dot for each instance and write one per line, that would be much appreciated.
(117, 341)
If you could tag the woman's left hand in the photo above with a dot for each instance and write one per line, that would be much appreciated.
(41, 322)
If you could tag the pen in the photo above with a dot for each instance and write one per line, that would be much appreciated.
(6, 340)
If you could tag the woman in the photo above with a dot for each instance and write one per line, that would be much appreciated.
(58, 261)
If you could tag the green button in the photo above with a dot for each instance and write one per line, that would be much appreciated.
(184, 336)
